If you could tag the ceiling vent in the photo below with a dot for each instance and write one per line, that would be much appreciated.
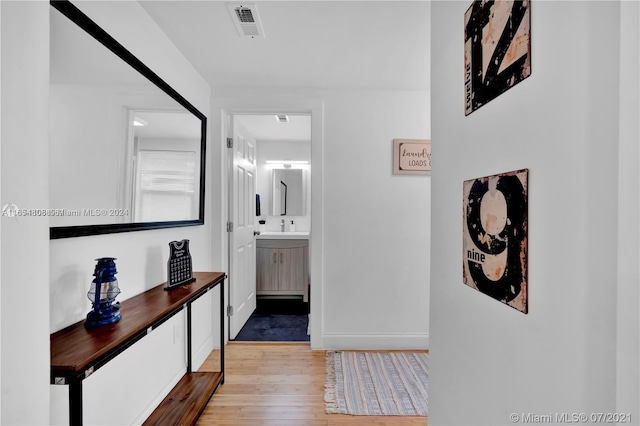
(246, 19)
(281, 118)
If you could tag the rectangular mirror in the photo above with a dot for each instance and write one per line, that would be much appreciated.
(127, 152)
(288, 192)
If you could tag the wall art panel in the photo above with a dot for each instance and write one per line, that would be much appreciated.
(495, 234)
(497, 49)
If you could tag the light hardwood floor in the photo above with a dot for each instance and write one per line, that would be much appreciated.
(278, 384)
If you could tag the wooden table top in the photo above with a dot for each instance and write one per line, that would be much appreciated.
(76, 348)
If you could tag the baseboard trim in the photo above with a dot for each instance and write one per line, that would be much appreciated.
(375, 341)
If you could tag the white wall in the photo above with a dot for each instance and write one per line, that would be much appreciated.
(370, 261)
(24, 257)
(1, 118)
(141, 255)
(628, 327)
(488, 360)
(377, 239)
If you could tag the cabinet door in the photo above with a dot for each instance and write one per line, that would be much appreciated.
(267, 265)
(292, 269)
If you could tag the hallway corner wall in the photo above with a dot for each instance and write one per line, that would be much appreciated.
(24, 155)
(562, 123)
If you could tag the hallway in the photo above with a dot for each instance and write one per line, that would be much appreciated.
(278, 384)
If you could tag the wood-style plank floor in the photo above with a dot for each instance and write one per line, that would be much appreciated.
(278, 384)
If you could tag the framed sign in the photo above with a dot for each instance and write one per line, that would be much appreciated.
(411, 157)
(497, 49)
(494, 237)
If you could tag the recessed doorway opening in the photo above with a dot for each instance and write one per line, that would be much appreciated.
(270, 204)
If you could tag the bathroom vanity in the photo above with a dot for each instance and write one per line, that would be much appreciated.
(282, 264)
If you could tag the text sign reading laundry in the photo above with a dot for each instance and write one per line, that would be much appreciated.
(412, 156)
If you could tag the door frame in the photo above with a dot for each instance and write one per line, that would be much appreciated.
(274, 105)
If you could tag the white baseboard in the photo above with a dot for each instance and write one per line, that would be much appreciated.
(375, 341)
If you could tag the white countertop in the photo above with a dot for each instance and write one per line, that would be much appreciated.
(270, 235)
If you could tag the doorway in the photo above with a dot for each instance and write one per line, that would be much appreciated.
(269, 242)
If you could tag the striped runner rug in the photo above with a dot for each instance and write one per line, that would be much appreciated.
(376, 383)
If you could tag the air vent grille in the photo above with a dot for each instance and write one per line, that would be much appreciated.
(244, 14)
(246, 20)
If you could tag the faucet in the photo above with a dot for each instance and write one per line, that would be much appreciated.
(282, 225)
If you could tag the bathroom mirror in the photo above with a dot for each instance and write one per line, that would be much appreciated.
(288, 192)
(127, 152)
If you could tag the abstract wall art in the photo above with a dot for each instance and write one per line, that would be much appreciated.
(495, 234)
(497, 49)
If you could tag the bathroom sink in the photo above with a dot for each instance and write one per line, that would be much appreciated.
(271, 235)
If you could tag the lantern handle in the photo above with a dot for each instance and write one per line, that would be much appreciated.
(99, 274)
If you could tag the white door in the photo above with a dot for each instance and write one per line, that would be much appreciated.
(242, 214)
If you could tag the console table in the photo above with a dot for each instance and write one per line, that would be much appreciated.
(76, 352)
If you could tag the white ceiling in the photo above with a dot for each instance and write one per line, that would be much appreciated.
(307, 44)
(267, 128)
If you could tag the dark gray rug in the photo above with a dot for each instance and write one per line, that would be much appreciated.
(278, 328)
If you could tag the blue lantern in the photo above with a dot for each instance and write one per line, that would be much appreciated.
(103, 293)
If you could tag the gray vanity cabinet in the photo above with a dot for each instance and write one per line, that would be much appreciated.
(282, 267)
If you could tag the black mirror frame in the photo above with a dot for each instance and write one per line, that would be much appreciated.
(83, 21)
